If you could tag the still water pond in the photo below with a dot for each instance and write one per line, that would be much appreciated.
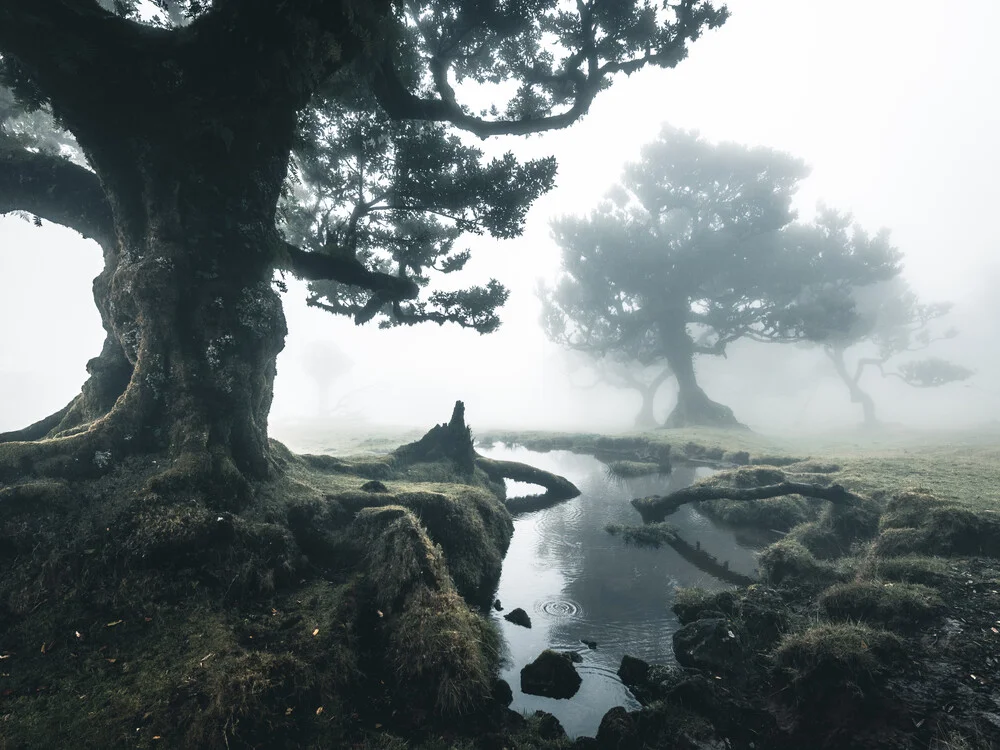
(578, 582)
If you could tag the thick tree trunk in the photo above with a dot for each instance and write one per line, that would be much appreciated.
(858, 396)
(694, 408)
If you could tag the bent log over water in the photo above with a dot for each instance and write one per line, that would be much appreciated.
(658, 507)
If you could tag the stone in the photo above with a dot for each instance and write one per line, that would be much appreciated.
(549, 727)
(551, 675)
(518, 617)
(374, 486)
(502, 693)
(633, 671)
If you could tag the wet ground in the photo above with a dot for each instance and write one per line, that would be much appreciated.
(579, 583)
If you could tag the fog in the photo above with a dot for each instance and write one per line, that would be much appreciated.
(890, 103)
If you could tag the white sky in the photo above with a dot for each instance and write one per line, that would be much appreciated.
(891, 102)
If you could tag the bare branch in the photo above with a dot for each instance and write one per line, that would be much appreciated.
(346, 270)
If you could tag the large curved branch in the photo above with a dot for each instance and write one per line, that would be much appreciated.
(345, 270)
(658, 507)
(57, 190)
(401, 104)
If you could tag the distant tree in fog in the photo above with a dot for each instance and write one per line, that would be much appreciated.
(694, 249)
(889, 322)
(324, 362)
(626, 373)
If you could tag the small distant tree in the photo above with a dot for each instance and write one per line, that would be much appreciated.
(325, 362)
(694, 249)
(889, 322)
(628, 374)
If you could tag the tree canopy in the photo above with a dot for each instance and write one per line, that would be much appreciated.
(698, 247)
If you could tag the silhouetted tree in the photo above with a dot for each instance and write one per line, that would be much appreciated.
(627, 374)
(888, 322)
(324, 362)
(694, 249)
(181, 130)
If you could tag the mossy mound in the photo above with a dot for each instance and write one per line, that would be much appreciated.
(893, 605)
(788, 563)
(759, 613)
(837, 659)
(918, 523)
(470, 524)
(930, 571)
(628, 469)
(662, 725)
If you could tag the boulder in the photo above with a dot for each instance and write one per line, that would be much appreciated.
(551, 675)
(549, 727)
(633, 671)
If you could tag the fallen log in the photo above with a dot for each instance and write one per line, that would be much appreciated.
(658, 507)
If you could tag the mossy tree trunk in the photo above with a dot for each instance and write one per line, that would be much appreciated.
(694, 408)
(190, 157)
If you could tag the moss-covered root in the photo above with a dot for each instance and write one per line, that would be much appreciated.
(441, 656)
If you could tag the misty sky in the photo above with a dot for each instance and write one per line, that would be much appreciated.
(892, 104)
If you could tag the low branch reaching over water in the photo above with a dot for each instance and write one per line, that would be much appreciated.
(658, 507)
(557, 488)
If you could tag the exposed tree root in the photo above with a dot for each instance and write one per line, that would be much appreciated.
(557, 487)
(658, 507)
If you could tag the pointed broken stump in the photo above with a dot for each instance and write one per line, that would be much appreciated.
(453, 442)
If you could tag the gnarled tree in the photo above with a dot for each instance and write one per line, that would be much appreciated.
(185, 123)
(889, 321)
(694, 249)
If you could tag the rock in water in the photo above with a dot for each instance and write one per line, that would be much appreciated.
(518, 617)
(551, 675)
(633, 671)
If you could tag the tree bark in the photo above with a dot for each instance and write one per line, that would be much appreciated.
(694, 408)
(858, 396)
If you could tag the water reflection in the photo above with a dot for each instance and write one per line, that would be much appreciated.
(579, 583)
